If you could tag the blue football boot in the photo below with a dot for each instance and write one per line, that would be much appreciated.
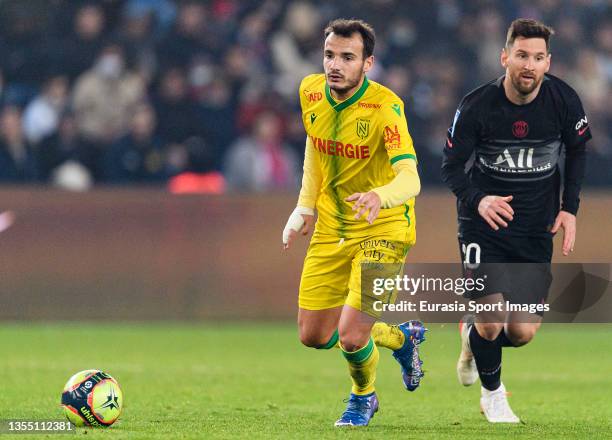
(359, 411)
(408, 354)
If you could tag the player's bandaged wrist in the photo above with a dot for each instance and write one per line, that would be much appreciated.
(403, 187)
(296, 221)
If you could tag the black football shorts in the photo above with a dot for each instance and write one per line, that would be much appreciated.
(517, 267)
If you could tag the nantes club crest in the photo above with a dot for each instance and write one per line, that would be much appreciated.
(363, 128)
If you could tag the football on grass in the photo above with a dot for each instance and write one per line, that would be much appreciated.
(92, 398)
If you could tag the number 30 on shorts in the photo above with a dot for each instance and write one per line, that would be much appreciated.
(471, 255)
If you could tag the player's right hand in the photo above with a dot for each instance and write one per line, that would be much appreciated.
(301, 220)
(496, 210)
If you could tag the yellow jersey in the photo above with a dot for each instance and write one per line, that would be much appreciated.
(355, 143)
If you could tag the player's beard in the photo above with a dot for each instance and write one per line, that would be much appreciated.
(351, 83)
(525, 90)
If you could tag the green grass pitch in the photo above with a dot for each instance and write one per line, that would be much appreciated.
(254, 380)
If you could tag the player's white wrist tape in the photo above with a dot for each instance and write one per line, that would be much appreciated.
(296, 221)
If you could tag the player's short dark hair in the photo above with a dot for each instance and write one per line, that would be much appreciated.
(529, 28)
(347, 27)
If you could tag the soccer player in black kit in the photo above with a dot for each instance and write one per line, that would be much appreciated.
(516, 127)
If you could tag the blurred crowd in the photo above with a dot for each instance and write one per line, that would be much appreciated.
(201, 96)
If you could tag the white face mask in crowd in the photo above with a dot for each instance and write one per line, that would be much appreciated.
(110, 66)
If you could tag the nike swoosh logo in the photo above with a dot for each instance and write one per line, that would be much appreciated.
(312, 118)
(582, 130)
(449, 144)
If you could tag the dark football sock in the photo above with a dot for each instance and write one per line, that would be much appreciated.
(504, 341)
(488, 356)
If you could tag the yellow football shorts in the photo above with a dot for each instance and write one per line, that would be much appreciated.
(332, 273)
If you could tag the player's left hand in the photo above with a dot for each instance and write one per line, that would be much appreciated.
(369, 201)
(566, 221)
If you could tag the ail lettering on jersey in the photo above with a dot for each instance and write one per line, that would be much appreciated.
(514, 160)
(506, 157)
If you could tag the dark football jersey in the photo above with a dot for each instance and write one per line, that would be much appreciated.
(516, 151)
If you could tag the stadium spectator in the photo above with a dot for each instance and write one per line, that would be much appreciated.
(137, 157)
(2, 88)
(187, 39)
(591, 81)
(135, 36)
(79, 49)
(17, 158)
(42, 115)
(217, 110)
(492, 24)
(261, 161)
(163, 12)
(104, 99)
(296, 48)
(62, 146)
(603, 40)
(252, 36)
(177, 114)
(212, 68)
(23, 56)
(105, 96)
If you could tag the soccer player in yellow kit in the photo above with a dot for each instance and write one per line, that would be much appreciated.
(360, 173)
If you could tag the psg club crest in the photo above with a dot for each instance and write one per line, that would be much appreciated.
(520, 129)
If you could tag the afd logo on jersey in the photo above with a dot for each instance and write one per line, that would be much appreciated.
(313, 96)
